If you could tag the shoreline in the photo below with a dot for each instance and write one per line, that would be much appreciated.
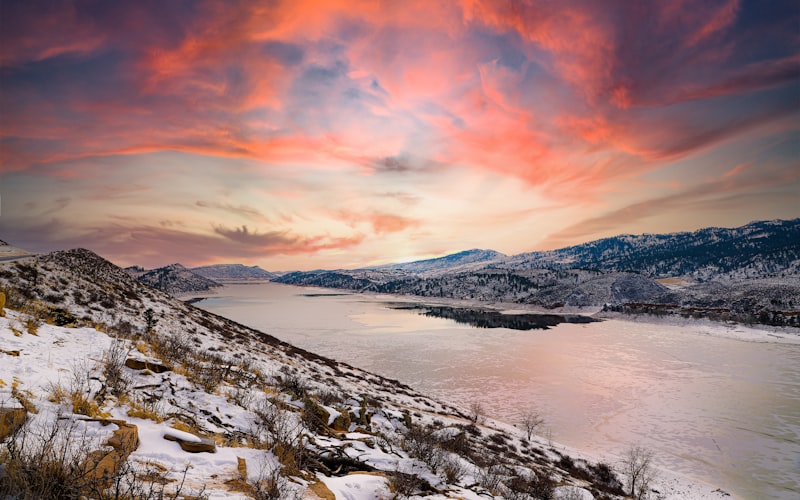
(703, 326)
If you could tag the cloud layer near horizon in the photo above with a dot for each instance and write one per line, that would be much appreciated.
(357, 132)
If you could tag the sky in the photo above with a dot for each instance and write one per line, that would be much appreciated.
(336, 134)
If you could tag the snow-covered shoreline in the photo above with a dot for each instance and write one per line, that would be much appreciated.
(702, 326)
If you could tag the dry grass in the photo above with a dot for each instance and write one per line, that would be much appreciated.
(149, 410)
(32, 325)
(23, 396)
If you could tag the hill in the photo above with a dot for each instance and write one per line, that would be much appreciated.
(756, 250)
(8, 252)
(461, 261)
(749, 274)
(125, 387)
(174, 279)
(233, 272)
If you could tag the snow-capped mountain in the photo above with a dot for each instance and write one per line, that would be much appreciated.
(461, 261)
(758, 249)
(233, 272)
(174, 279)
(761, 259)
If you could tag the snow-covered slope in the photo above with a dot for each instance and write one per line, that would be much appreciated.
(233, 272)
(461, 261)
(8, 252)
(751, 272)
(174, 279)
(94, 352)
(758, 249)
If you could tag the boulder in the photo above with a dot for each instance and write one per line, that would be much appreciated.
(140, 364)
(102, 465)
(190, 442)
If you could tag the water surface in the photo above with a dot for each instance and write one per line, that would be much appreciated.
(722, 411)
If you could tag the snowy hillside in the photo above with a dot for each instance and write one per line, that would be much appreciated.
(548, 289)
(750, 274)
(126, 389)
(233, 272)
(461, 261)
(759, 249)
(174, 279)
(8, 252)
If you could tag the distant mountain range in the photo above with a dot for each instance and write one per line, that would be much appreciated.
(750, 273)
(233, 272)
(176, 279)
(758, 249)
(468, 259)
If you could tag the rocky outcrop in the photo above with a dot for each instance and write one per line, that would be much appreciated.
(102, 465)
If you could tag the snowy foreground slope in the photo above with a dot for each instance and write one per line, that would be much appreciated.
(130, 393)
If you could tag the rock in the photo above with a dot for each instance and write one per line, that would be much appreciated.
(190, 442)
(102, 465)
(342, 422)
(321, 490)
(139, 364)
(11, 419)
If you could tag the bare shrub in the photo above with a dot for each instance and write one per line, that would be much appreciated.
(524, 487)
(421, 443)
(173, 348)
(53, 460)
(292, 383)
(314, 416)
(281, 431)
(149, 406)
(531, 420)
(403, 484)
(477, 414)
(491, 477)
(242, 396)
(116, 378)
(330, 398)
(605, 479)
(452, 469)
(270, 485)
(637, 467)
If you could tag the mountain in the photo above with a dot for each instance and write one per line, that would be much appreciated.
(233, 272)
(125, 386)
(749, 274)
(174, 279)
(461, 261)
(544, 288)
(758, 249)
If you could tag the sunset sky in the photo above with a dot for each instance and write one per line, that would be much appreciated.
(322, 134)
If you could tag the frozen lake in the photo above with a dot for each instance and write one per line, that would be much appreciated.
(723, 411)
